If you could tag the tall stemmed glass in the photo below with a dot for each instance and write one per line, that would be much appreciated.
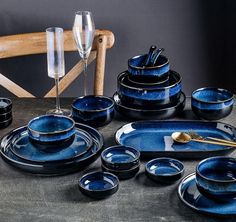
(83, 31)
(56, 63)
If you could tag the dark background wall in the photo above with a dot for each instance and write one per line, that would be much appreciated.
(198, 37)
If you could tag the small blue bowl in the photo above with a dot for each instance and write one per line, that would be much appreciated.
(120, 157)
(5, 105)
(98, 185)
(51, 132)
(93, 110)
(216, 178)
(160, 69)
(165, 170)
(212, 103)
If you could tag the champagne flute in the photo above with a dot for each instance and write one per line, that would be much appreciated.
(56, 63)
(83, 31)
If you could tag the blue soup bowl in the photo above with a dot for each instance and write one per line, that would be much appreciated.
(51, 132)
(93, 110)
(163, 94)
(160, 69)
(120, 157)
(216, 177)
(98, 185)
(212, 103)
(165, 170)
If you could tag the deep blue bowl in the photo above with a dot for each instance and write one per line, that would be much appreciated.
(120, 157)
(98, 185)
(212, 103)
(5, 105)
(51, 133)
(93, 110)
(216, 177)
(160, 69)
(165, 170)
(164, 94)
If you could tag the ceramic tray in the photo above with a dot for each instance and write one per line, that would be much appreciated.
(153, 138)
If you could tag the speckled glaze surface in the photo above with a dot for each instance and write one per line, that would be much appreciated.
(161, 68)
(93, 110)
(190, 195)
(216, 177)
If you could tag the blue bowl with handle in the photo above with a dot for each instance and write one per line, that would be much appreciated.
(160, 69)
(51, 133)
(212, 103)
(93, 110)
(216, 178)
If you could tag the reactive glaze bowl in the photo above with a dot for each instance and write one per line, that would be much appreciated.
(93, 110)
(212, 103)
(98, 185)
(160, 69)
(5, 123)
(154, 96)
(120, 157)
(51, 132)
(5, 116)
(5, 105)
(165, 170)
(216, 177)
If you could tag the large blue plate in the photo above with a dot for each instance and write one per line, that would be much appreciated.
(153, 138)
(52, 168)
(189, 194)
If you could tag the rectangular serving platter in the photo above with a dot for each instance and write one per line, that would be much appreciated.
(153, 138)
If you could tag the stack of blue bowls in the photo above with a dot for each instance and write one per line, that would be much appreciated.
(149, 88)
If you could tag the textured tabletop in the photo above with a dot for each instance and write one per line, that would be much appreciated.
(26, 197)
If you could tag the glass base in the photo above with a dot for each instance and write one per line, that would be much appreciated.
(64, 112)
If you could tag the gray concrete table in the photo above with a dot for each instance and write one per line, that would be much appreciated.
(26, 197)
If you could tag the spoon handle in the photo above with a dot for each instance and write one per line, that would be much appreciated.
(156, 56)
(214, 142)
(222, 140)
(149, 56)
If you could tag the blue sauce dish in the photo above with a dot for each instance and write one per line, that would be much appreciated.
(216, 178)
(5, 105)
(120, 157)
(51, 132)
(98, 185)
(149, 96)
(159, 69)
(165, 170)
(212, 103)
(93, 110)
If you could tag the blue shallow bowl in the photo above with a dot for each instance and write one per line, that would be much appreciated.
(93, 110)
(216, 177)
(98, 185)
(120, 157)
(165, 170)
(212, 103)
(160, 69)
(51, 132)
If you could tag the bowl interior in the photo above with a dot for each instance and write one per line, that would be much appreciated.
(4, 102)
(212, 95)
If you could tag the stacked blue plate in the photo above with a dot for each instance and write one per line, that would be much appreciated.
(149, 89)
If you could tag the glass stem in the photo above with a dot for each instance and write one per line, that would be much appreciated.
(58, 108)
(85, 77)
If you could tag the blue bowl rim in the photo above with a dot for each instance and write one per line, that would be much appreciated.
(96, 110)
(149, 84)
(165, 158)
(9, 102)
(54, 132)
(115, 180)
(114, 171)
(151, 67)
(212, 102)
(149, 88)
(137, 154)
(212, 158)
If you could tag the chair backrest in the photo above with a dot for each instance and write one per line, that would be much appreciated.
(35, 43)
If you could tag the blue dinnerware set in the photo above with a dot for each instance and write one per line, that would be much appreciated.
(5, 112)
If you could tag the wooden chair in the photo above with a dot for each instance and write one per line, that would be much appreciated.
(35, 43)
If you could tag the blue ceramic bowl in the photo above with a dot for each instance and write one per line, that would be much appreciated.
(93, 110)
(51, 132)
(120, 157)
(212, 103)
(160, 69)
(165, 170)
(164, 94)
(5, 105)
(216, 177)
(98, 185)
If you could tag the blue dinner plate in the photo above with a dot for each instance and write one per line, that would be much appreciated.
(189, 194)
(23, 148)
(153, 138)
